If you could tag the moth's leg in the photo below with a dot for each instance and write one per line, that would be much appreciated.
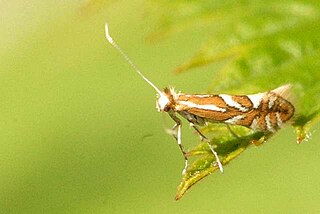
(231, 131)
(177, 135)
(204, 138)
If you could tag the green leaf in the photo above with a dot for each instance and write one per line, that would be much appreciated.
(226, 144)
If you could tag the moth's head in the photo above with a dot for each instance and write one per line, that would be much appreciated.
(165, 101)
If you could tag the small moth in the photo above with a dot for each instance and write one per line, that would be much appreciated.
(266, 111)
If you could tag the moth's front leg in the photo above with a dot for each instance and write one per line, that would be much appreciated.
(176, 133)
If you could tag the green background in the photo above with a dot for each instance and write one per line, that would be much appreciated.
(79, 132)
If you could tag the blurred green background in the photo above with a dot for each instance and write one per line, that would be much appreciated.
(79, 132)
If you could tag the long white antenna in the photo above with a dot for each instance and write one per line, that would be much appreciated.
(114, 44)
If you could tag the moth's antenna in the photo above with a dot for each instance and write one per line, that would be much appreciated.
(114, 44)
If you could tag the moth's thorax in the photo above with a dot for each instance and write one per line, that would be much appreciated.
(166, 100)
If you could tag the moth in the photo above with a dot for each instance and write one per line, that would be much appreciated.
(266, 111)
